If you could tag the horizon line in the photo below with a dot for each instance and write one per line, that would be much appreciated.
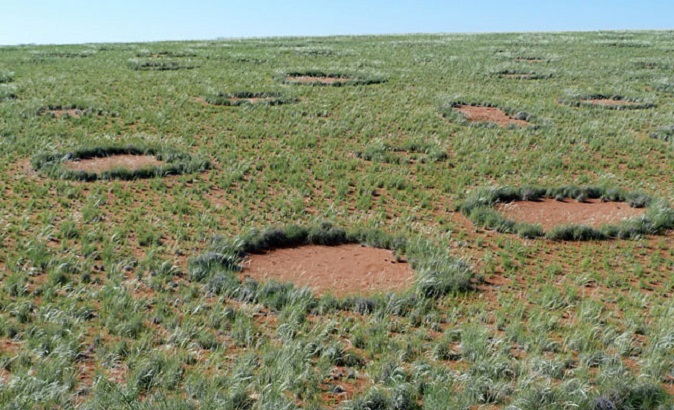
(272, 37)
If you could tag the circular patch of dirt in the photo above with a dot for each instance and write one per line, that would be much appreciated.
(340, 270)
(488, 114)
(101, 164)
(551, 213)
(518, 76)
(305, 79)
(607, 102)
(70, 112)
(252, 100)
(530, 59)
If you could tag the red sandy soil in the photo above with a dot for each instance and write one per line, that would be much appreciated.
(550, 213)
(339, 270)
(323, 80)
(131, 162)
(609, 102)
(488, 114)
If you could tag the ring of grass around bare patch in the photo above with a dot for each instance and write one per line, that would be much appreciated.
(531, 59)
(613, 102)
(331, 262)
(248, 98)
(165, 53)
(521, 75)
(159, 65)
(321, 78)
(484, 114)
(70, 111)
(115, 162)
(568, 213)
(408, 152)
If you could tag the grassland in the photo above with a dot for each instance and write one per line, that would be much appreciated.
(104, 305)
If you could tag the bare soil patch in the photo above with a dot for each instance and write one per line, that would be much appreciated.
(71, 112)
(610, 102)
(305, 79)
(550, 212)
(100, 164)
(252, 100)
(530, 59)
(339, 270)
(488, 114)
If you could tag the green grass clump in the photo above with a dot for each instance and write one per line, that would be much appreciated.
(630, 103)
(353, 78)
(437, 273)
(52, 164)
(7, 95)
(665, 86)
(244, 98)
(664, 133)
(479, 207)
(159, 65)
(6, 77)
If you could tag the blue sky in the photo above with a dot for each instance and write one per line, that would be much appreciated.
(78, 21)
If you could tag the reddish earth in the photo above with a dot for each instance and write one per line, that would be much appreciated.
(323, 80)
(488, 114)
(339, 270)
(550, 213)
(609, 102)
(130, 162)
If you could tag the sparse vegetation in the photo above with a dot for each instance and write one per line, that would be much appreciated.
(128, 294)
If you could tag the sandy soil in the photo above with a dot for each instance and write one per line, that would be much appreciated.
(550, 213)
(72, 112)
(131, 162)
(340, 270)
(609, 102)
(323, 80)
(488, 114)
